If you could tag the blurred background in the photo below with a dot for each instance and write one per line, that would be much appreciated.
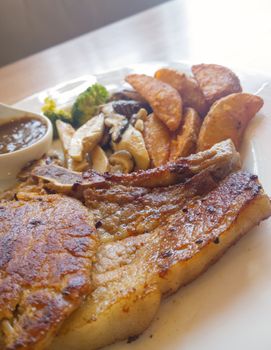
(29, 26)
(65, 39)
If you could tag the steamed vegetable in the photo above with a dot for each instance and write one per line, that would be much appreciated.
(86, 105)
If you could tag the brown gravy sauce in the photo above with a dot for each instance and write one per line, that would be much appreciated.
(20, 133)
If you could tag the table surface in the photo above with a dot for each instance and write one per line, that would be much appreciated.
(232, 33)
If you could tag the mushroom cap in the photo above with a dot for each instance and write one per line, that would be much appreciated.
(122, 161)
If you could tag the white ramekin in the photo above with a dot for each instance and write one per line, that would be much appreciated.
(11, 163)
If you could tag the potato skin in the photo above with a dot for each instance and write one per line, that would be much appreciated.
(185, 141)
(216, 81)
(228, 119)
(164, 99)
(187, 87)
(157, 140)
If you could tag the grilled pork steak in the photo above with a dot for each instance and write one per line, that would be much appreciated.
(122, 206)
(47, 245)
(131, 275)
(157, 231)
(123, 211)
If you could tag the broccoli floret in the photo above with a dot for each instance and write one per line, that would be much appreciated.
(51, 111)
(85, 107)
(87, 103)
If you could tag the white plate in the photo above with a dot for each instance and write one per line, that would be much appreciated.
(228, 307)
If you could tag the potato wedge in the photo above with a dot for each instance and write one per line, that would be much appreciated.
(157, 139)
(185, 141)
(163, 98)
(86, 137)
(216, 81)
(73, 165)
(187, 87)
(228, 119)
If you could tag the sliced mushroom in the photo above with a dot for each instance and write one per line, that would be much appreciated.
(105, 141)
(117, 132)
(86, 137)
(108, 152)
(129, 108)
(65, 133)
(127, 94)
(113, 119)
(99, 160)
(139, 125)
(73, 165)
(121, 161)
(107, 109)
(133, 142)
(117, 124)
(142, 114)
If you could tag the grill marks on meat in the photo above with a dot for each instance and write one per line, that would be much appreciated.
(157, 231)
(131, 204)
(205, 219)
(186, 232)
(121, 214)
(131, 275)
(46, 248)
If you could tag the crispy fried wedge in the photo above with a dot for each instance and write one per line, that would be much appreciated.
(163, 98)
(157, 140)
(133, 274)
(216, 81)
(228, 118)
(184, 142)
(187, 87)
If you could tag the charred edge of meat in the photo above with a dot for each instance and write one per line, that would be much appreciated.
(220, 160)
